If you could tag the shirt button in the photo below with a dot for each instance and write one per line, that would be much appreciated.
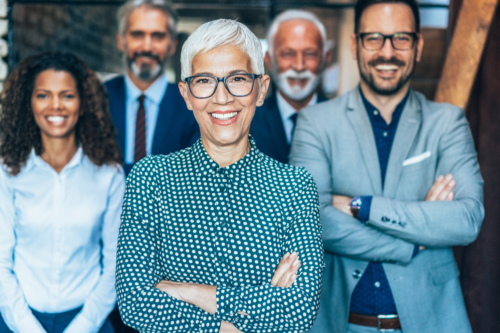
(356, 274)
(377, 284)
(227, 308)
(222, 188)
(220, 171)
(221, 260)
(384, 134)
(375, 112)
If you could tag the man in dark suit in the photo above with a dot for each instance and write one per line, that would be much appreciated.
(150, 113)
(296, 57)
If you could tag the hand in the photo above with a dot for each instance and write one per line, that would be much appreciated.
(286, 273)
(442, 190)
(342, 203)
(226, 327)
(174, 289)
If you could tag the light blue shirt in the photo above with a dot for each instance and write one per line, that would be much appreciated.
(154, 95)
(58, 237)
(286, 111)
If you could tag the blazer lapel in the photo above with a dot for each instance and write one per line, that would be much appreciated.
(358, 117)
(118, 109)
(166, 110)
(275, 125)
(408, 127)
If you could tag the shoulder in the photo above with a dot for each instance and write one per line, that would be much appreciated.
(286, 175)
(115, 82)
(104, 174)
(439, 113)
(327, 109)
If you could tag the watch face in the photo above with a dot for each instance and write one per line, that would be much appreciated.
(356, 202)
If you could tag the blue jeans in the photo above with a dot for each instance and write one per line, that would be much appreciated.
(57, 322)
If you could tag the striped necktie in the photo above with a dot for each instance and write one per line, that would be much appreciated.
(293, 118)
(140, 131)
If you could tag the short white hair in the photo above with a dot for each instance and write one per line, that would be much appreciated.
(219, 33)
(295, 14)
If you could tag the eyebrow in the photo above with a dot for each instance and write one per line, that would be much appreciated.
(61, 92)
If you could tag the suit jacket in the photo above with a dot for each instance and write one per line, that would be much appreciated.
(176, 127)
(334, 141)
(268, 131)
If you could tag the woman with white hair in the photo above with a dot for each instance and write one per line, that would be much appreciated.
(211, 236)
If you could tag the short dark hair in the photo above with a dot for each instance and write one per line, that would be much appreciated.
(361, 5)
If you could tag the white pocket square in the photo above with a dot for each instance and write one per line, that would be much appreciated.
(416, 159)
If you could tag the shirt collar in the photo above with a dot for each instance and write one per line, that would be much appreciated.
(155, 92)
(395, 115)
(286, 110)
(237, 172)
(35, 160)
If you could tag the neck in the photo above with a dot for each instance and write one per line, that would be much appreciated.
(227, 154)
(140, 84)
(386, 105)
(58, 152)
(297, 105)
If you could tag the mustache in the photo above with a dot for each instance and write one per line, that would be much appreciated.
(150, 55)
(294, 75)
(383, 61)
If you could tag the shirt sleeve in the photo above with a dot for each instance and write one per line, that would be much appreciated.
(138, 268)
(13, 306)
(103, 298)
(283, 309)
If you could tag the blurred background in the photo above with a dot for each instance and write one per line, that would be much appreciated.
(88, 29)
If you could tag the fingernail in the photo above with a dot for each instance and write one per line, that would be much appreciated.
(296, 262)
(286, 255)
(449, 176)
(452, 183)
(440, 178)
(294, 277)
(294, 254)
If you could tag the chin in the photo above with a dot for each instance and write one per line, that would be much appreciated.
(228, 137)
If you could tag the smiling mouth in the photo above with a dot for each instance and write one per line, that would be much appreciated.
(224, 116)
(387, 68)
(56, 120)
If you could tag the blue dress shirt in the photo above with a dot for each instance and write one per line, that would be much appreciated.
(372, 295)
(154, 95)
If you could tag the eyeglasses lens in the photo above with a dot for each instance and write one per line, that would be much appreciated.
(205, 86)
(400, 41)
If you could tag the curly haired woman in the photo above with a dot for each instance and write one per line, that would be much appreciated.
(61, 189)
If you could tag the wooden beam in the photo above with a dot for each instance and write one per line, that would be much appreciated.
(466, 49)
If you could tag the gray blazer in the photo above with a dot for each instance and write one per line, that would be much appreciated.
(334, 141)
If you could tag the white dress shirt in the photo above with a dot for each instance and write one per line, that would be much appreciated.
(154, 95)
(58, 237)
(286, 110)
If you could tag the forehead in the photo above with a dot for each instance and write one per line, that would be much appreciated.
(144, 18)
(221, 61)
(296, 33)
(387, 18)
(51, 78)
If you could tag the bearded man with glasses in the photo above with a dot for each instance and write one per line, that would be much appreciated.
(296, 58)
(148, 111)
(399, 185)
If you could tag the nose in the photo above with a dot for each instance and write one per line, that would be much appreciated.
(56, 103)
(387, 51)
(147, 43)
(299, 64)
(221, 95)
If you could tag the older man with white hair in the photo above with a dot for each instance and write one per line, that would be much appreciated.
(296, 58)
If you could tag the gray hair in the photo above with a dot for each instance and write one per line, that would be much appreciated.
(219, 33)
(295, 14)
(163, 5)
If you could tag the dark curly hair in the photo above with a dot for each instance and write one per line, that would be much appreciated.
(19, 133)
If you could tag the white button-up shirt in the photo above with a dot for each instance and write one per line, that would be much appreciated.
(58, 237)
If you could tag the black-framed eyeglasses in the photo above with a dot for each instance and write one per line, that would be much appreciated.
(375, 41)
(238, 85)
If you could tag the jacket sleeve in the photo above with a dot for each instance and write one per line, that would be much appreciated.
(342, 234)
(440, 223)
(138, 268)
(13, 306)
(286, 309)
(102, 299)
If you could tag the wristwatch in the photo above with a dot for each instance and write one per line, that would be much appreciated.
(355, 206)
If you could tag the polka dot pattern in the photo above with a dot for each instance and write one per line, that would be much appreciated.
(185, 219)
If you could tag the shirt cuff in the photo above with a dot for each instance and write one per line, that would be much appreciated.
(364, 211)
(227, 303)
(30, 324)
(416, 250)
(81, 324)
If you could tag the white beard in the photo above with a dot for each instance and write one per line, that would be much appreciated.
(146, 75)
(296, 92)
